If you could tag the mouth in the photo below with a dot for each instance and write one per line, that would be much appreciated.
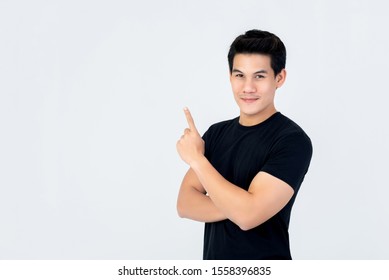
(249, 99)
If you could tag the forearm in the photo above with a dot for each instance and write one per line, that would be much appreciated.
(195, 205)
(265, 197)
(234, 202)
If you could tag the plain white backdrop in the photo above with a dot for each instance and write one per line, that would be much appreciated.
(91, 98)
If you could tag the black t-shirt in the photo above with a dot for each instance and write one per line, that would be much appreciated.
(277, 146)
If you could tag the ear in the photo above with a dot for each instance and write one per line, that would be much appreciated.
(280, 78)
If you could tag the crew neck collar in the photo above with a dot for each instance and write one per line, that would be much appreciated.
(244, 127)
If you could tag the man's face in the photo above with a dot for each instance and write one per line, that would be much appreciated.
(254, 86)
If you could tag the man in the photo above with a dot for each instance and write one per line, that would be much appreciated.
(245, 173)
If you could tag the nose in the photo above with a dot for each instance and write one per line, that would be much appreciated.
(249, 86)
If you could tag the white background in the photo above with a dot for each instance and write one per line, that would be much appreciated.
(91, 98)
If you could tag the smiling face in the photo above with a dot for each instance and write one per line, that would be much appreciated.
(254, 86)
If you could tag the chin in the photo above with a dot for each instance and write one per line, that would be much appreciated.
(251, 112)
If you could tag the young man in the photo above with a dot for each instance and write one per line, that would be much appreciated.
(245, 173)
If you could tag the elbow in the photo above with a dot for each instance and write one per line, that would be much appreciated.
(181, 214)
(246, 227)
(181, 210)
(246, 224)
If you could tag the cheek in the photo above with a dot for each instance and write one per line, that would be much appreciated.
(268, 88)
(237, 85)
(235, 88)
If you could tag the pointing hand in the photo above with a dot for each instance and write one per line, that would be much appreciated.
(190, 146)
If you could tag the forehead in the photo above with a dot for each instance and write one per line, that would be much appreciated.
(251, 62)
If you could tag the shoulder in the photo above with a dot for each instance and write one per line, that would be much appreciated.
(222, 124)
(220, 127)
(287, 125)
(290, 154)
(288, 128)
(217, 132)
(290, 134)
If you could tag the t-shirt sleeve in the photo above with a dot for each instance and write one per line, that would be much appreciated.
(289, 159)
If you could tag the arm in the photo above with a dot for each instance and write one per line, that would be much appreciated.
(266, 196)
(193, 203)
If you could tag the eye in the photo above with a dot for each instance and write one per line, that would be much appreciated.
(259, 77)
(239, 75)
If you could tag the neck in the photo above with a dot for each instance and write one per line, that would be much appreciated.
(250, 120)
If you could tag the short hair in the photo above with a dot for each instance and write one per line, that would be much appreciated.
(259, 42)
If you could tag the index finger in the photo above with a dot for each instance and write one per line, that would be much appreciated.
(190, 120)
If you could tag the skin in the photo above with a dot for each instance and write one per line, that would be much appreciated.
(204, 194)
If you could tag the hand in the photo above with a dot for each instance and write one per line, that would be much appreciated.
(190, 147)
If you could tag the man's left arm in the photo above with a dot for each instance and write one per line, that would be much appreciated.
(266, 195)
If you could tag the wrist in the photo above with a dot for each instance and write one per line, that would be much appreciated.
(196, 163)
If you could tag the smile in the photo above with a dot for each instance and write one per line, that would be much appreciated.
(249, 99)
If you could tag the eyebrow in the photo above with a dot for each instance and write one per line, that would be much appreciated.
(257, 72)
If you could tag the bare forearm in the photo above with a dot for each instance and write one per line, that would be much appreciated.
(197, 206)
(234, 202)
(265, 197)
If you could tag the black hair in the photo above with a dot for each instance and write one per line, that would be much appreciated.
(259, 42)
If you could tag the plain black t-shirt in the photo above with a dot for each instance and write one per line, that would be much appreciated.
(277, 146)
